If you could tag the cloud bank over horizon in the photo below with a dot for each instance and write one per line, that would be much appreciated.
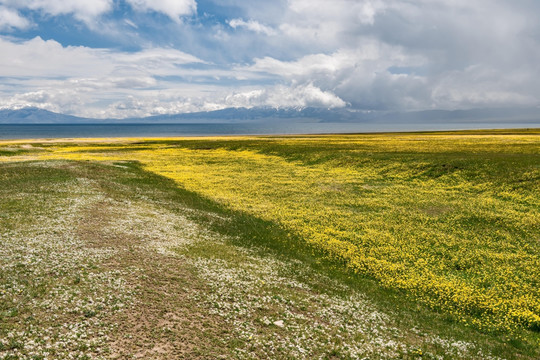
(126, 58)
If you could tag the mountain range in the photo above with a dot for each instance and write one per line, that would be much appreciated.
(260, 115)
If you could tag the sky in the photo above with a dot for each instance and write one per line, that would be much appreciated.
(135, 58)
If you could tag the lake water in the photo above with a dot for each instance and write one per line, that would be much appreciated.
(47, 131)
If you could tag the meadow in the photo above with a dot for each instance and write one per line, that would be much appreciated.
(443, 227)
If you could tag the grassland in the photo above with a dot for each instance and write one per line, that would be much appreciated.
(384, 245)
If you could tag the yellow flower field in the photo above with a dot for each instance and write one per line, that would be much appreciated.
(452, 219)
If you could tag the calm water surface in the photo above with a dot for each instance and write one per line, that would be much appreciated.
(46, 131)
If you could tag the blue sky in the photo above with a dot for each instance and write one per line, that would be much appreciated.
(123, 58)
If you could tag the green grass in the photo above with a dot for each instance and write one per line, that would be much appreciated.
(229, 265)
(272, 241)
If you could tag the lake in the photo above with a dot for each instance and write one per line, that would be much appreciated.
(45, 131)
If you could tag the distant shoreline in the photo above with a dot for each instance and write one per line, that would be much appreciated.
(68, 131)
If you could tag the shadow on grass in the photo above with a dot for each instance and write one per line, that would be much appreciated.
(270, 239)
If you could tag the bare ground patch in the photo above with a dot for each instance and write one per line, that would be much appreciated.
(166, 321)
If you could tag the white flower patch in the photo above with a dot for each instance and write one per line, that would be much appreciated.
(275, 314)
(158, 229)
(459, 349)
(47, 269)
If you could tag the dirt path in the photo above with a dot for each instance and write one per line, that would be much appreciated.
(165, 322)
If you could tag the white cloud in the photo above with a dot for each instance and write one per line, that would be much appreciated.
(353, 75)
(83, 10)
(78, 61)
(157, 61)
(305, 67)
(453, 54)
(251, 25)
(173, 102)
(174, 9)
(371, 54)
(324, 12)
(54, 59)
(57, 100)
(11, 19)
(130, 23)
(151, 105)
(323, 25)
(100, 99)
(479, 86)
(299, 96)
(77, 79)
